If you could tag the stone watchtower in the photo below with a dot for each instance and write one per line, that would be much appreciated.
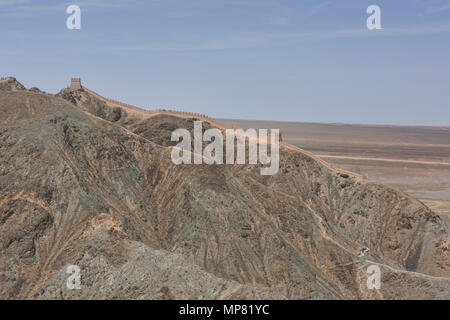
(75, 83)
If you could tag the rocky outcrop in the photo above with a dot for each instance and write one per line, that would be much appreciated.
(10, 84)
(84, 184)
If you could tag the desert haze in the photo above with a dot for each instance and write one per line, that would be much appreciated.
(88, 181)
(414, 159)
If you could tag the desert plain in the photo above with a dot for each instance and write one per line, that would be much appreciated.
(413, 159)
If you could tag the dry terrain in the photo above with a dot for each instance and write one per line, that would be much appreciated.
(88, 183)
(415, 160)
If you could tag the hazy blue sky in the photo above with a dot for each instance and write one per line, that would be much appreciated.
(302, 60)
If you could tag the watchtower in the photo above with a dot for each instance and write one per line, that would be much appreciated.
(75, 84)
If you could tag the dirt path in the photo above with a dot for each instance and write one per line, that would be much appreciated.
(145, 114)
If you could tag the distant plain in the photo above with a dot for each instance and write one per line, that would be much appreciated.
(413, 159)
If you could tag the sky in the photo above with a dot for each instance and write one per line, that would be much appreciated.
(289, 60)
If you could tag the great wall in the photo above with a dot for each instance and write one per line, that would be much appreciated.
(75, 84)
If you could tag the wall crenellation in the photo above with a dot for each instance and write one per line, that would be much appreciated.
(184, 113)
(75, 84)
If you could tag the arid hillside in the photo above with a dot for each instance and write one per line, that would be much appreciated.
(413, 159)
(90, 184)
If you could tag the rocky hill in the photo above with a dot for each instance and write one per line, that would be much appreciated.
(10, 84)
(83, 183)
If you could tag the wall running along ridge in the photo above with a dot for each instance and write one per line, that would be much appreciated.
(202, 117)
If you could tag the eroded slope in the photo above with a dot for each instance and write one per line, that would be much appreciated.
(83, 183)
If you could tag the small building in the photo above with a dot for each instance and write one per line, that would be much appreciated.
(75, 83)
